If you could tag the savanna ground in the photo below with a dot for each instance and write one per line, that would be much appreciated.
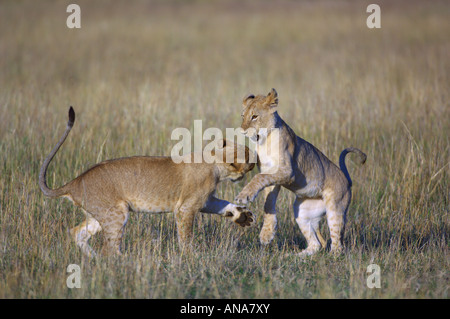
(136, 70)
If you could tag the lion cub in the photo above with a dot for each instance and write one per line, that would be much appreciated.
(108, 191)
(289, 161)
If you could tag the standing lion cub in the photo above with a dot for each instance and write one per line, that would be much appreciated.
(289, 161)
(111, 189)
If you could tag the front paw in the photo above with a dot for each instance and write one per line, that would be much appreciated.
(241, 199)
(244, 197)
(242, 216)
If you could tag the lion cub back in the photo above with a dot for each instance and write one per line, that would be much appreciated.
(147, 184)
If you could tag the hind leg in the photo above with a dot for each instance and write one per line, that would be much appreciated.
(113, 223)
(83, 232)
(337, 207)
(308, 213)
(270, 217)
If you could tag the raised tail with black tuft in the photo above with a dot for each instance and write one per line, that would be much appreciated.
(43, 173)
(342, 165)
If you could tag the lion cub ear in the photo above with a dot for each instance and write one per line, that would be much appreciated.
(247, 99)
(272, 100)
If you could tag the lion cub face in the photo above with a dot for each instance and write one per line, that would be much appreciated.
(258, 113)
(240, 159)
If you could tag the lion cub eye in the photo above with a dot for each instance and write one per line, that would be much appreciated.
(254, 117)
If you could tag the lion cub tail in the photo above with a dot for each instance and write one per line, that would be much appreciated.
(362, 158)
(43, 173)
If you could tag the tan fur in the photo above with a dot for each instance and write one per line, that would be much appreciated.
(320, 186)
(108, 191)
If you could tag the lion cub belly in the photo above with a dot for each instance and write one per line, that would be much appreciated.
(153, 205)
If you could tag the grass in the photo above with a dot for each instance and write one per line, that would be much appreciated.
(134, 72)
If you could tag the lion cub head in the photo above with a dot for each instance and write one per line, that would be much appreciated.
(233, 159)
(258, 113)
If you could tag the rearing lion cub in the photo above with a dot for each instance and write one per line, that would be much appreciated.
(109, 190)
(320, 186)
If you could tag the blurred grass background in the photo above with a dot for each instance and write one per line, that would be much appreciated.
(136, 70)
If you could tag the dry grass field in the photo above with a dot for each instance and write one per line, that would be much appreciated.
(136, 70)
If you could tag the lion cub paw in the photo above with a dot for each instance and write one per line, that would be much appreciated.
(307, 252)
(269, 229)
(242, 216)
(245, 196)
(266, 236)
